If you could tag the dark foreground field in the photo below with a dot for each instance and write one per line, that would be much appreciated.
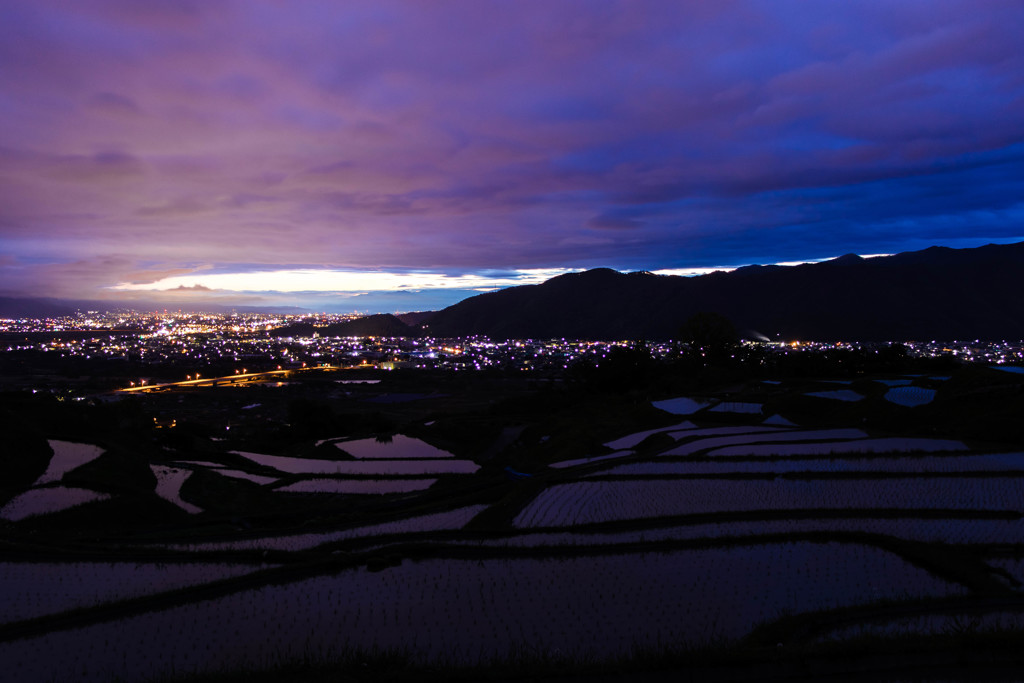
(856, 522)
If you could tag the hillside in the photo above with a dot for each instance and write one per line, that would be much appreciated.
(381, 325)
(937, 293)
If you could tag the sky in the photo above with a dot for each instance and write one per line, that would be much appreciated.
(396, 156)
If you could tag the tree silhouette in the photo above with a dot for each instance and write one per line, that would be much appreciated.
(709, 335)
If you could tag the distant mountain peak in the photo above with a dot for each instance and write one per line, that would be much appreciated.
(594, 273)
(377, 325)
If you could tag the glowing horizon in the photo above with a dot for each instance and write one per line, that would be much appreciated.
(353, 282)
(338, 281)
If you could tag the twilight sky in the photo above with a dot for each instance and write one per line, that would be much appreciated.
(403, 155)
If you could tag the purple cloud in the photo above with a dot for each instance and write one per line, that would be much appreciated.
(461, 136)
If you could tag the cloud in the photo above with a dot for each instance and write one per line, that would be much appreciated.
(393, 137)
(337, 281)
(102, 167)
(614, 221)
(114, 104)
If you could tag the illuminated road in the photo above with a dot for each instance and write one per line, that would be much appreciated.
(267, 376)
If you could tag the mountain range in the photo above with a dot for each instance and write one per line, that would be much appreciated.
(938, 293)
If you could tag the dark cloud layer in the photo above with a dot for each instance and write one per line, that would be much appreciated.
(176, 137)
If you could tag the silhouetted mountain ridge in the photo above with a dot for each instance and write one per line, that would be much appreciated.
(379, 325)
(936, 293)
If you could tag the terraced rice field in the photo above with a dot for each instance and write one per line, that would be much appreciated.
(925, 530)
(631, 440)
(66, 457)
(761, 435)
(248, 476)
(696, 539)
(169, 481)
(36, 589)
(593, 502)
(46, 500)
(358, 486)
(440, 521)
(361, 467)
(880, 445)
(838, 395)
(397, 447)
(474, 611)
(737, 407)
(910, 396)
(949, 464)
(586, 461)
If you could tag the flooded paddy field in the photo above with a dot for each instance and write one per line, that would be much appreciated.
(49, 499)
(882, 465)
(948, 529)
(458, 609)
(39, 589)
(502, 521)
(371, 466)
(591, 502)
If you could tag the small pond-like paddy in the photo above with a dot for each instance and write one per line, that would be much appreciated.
(46, 500)
(66, 457)
(396, 447)
(358, 486)
(362, 467)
